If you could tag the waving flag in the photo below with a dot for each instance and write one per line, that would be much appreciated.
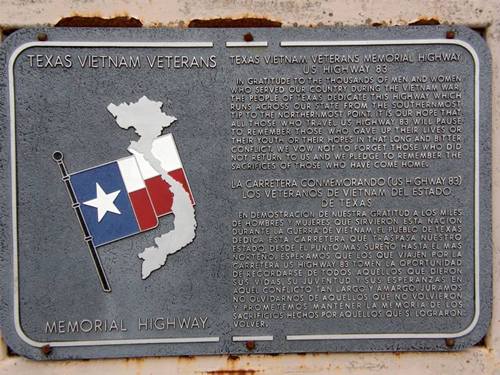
(114, 200)
(126, 196)
(123, 197)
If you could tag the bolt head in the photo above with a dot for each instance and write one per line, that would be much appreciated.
(42, 37)
(250, 345)
(46, 349)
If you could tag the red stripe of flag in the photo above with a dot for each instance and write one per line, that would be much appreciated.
(160, 193)
(143, 209)
(180, 176)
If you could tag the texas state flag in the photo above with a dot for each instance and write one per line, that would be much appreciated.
(126, 196)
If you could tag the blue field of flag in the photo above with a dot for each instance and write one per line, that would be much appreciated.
(105, 204)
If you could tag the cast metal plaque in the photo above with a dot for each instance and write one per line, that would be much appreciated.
(183, 192)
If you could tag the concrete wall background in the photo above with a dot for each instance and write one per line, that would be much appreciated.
(481, 14)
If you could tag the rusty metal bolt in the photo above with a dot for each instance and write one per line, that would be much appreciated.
(450, 343)
(42, 37)
(250, 345)
(248, 37)
(450, 34)
(46, 349)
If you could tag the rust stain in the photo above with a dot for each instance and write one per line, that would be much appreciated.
(188, 358)
(250, 345)
(379, 24)
(233, 357)
(139, 365)
(11, 352)
(46, 349)
(7, 31)
(450, 34)
(234, 23)
(231, 372)
(81, 21)
(185, 361)
(481, 342)
(425, 21)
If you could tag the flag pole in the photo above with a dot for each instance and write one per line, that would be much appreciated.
(58, 158)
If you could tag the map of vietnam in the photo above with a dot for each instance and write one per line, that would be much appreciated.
(146, 117)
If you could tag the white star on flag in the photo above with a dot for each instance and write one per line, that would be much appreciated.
(103, 202)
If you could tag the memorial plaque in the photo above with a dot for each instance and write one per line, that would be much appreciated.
(184, 192)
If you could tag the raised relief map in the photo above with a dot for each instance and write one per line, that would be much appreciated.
(148, 120)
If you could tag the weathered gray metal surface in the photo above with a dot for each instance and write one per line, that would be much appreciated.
(65, 109)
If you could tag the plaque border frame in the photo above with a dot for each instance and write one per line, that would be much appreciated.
(213, 339)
